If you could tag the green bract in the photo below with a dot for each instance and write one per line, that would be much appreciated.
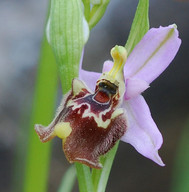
(97, 12)
(140, 25)
(67, 32)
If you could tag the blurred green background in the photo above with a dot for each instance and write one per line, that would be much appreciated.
(22, 24)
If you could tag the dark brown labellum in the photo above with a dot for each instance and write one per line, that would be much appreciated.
(92, 122)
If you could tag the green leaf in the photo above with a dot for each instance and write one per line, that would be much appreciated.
(67, 32)
(84, 178)
(181, 167)
(68, 180)
(38, 157)
(100, 176)
(139, 26)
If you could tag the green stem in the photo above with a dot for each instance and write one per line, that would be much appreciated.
(68, 180)
(100, 176)
(38, 157)
(84, 178)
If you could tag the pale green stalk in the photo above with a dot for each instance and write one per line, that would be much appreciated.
(84, 178)
(100, 176)
(68, 180)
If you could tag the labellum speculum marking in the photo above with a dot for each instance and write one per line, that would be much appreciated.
(91, 123)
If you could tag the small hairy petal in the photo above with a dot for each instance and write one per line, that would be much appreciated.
(142, 132)
(90, 78)
(134, 87)
(107, 66)
(153, 53)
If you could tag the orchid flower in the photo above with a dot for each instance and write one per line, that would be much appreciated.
(101, 109)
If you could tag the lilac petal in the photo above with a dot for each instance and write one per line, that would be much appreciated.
(107, 66)
(153, 53)
(134, 87)
(90, 78)
(142, 132)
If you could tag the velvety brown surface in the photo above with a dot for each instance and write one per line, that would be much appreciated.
(88, 141)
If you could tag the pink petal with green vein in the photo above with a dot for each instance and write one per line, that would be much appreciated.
(153, 53)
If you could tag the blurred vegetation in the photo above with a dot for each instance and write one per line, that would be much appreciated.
(180, 182)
